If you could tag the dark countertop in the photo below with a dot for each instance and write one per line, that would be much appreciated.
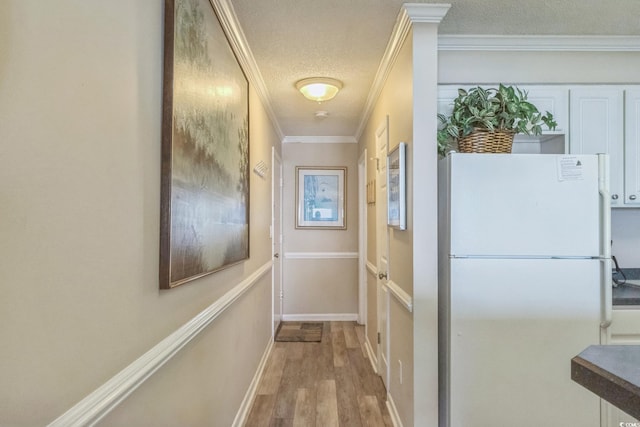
(626, 294)
(612, 372)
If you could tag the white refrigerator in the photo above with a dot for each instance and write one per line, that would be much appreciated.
(524, 286)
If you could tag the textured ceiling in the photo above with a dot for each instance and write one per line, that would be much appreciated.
(346, 39)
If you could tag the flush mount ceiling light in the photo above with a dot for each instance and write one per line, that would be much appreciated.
(319, 89)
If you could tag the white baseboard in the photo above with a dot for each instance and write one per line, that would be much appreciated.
(373, 359)
(312, 317)
(249, 397)
(393, 412)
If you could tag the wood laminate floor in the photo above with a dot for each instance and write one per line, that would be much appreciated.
(323, 384)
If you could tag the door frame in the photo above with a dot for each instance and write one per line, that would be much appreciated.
(276, 255)
(382, 291)
(362, 239)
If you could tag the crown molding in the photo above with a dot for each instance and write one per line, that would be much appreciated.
(319, 140)
(425, 13)
(409, 14)
(233, 30)
(539, 43)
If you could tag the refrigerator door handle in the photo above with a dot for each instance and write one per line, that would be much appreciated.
(606, 294)
(605, 241)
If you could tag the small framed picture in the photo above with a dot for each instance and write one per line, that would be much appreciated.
(396, 188)
(321, 197)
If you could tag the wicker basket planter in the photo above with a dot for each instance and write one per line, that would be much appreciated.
(504, 109)
(486, 141)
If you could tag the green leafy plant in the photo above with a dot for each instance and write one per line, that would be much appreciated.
(503, 109)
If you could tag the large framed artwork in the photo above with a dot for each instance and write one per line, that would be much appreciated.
(204, 220)
(321, 197)
(396, 188)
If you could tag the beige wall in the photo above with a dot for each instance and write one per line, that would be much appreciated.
(320, 286)
(395, 101)
(81, 107)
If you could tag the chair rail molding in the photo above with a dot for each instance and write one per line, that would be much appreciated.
(105, 398)
(399, 294)
(320, 255)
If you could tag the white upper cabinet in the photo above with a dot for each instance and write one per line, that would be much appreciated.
(554, 99)
(632, 148)
(596, 126)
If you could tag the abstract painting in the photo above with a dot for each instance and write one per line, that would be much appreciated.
(320, 197)
(204, 219)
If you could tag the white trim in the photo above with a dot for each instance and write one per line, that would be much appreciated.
(410, 12)
(426, 13)
(319, 140)
(393, 412)
(320, 317)
(276, 194)
(233, 30)
(320, 255)
(250, 395)
(539, 43)
(399, 294)
(373, 359)
(362, 239)
(105, 398)
(398, 36)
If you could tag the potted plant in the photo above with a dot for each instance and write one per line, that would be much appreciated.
(485, 120)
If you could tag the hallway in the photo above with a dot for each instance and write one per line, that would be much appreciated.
(328, 383)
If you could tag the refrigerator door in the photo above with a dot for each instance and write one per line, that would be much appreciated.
(513, 327)
(523, 205)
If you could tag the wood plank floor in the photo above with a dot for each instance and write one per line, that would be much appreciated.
(324, 384)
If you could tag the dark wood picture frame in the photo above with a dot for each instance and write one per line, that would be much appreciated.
(204, 212)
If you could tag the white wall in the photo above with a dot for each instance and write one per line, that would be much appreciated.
(327, 284)
(625, 233)
(537, 67)
(80, 114)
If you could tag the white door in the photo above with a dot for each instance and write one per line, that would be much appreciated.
(382, 251)
(276, 238)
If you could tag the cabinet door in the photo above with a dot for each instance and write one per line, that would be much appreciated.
(632, 148)
(625, 329)
(596, 126)
(554, 99)
(446, 95)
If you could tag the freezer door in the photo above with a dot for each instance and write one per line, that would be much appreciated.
(524, 205)
(514, 327)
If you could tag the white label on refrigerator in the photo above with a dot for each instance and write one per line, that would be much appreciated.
(569, 168)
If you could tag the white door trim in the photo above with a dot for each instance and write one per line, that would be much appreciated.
(276, 240)
(382, 252)
(362, 238)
